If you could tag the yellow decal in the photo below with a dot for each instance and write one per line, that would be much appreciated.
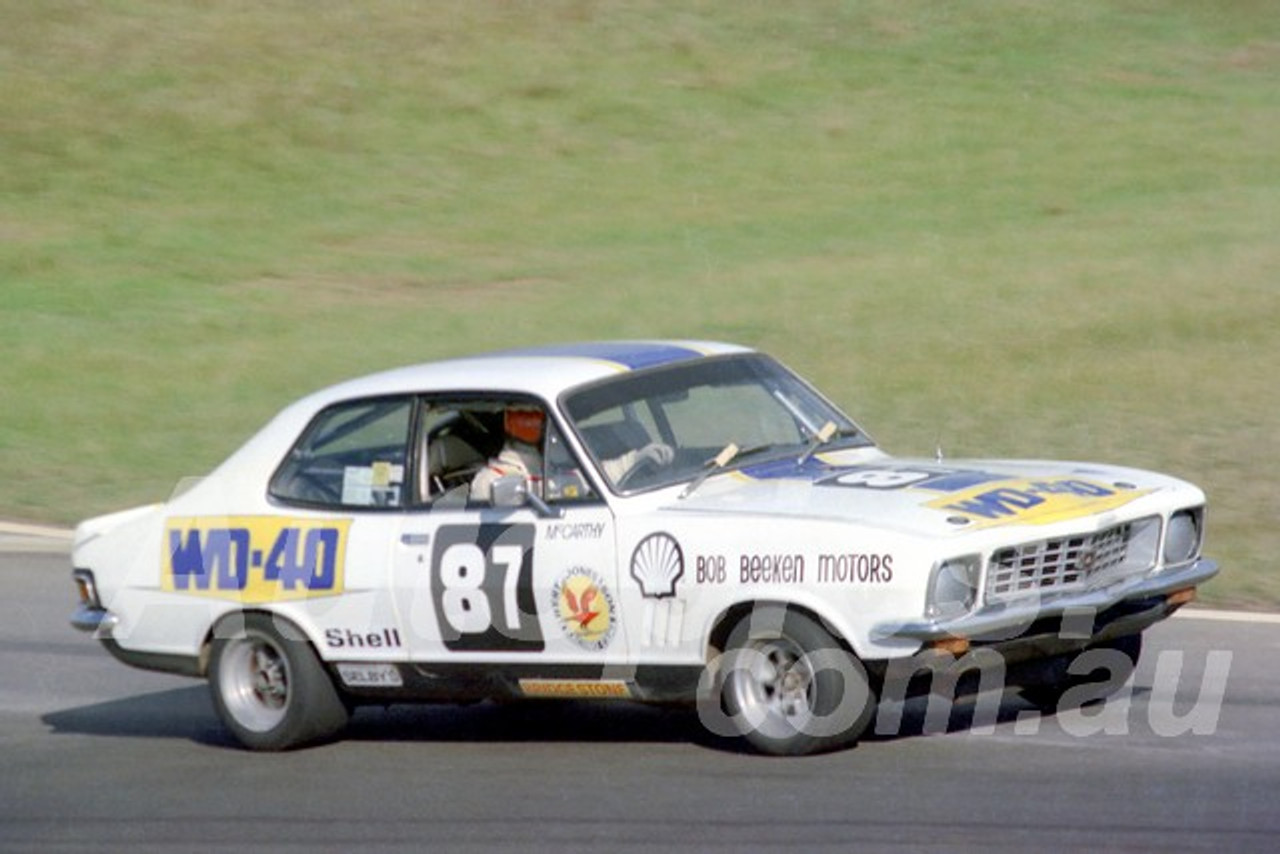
(575, 688)
(1035, 502)
(254, 559)
(584, 608)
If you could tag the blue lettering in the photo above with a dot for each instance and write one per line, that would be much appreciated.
(280, 562)
(1071, 487)
(213, 561)
(187, 561)
(296, 571)
(1092, 490)
(310, 563)
(997, 503)
(221, 559)
(232, 578)
(324, 564)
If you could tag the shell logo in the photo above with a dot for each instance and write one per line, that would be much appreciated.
(656, 565)
(584, 607)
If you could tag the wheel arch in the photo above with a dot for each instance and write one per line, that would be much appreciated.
(730, 616)
(289, 628)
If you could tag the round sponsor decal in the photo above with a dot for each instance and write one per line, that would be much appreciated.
(584, 607)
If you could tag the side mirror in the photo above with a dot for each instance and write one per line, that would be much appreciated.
(512, 490)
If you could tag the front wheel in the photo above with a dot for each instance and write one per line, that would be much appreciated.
(268, 687)
(789, 688)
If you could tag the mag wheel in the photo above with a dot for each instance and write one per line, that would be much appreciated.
(789, 688)
(268, 686)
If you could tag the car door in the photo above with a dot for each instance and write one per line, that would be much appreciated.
(528, 588)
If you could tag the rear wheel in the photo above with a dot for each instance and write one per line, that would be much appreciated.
(789, 688)
(268, 687)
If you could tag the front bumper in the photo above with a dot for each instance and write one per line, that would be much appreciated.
(1137, 603)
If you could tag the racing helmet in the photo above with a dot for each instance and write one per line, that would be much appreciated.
(524, 424)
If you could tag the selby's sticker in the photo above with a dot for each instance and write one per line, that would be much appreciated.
(254, 558)
(1035, 501)
(372, 675)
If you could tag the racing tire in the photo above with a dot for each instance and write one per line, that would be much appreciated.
(268, 686)
(1074, 690)
(789, 688)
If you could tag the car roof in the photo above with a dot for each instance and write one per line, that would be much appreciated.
(545, 371)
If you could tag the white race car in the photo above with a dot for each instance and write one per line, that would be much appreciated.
(655, 521)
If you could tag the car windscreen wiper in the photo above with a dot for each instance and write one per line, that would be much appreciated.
(828, 432)
(819, 439)
(720, 461)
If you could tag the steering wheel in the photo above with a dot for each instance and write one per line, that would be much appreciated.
(646, 464)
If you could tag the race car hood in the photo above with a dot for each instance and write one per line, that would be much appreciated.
(927, 498)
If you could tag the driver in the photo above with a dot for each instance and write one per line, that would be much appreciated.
(523, 427)
(521, 454)
(658, 453)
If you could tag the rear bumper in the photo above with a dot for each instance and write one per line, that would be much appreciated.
(1090, 616)
(100, 621)
(89, 615)
(88, 618)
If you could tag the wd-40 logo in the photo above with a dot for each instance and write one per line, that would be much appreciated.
(254, 558)
(1036, 502)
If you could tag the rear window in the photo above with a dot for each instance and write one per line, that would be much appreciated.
(351, 455)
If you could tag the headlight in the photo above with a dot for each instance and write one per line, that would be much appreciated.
(1143, 548)
(1182, 537)
(953, 587)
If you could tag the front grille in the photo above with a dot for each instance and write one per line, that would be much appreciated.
(1058, 565)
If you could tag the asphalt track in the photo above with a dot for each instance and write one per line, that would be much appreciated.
(99, 756)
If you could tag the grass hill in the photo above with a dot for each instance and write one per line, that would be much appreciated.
(1016, 228)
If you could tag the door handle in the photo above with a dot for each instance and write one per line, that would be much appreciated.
(415, 539)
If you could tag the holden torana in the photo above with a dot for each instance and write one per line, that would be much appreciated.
(661, 521)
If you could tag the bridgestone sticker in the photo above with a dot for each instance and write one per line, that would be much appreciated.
(574, 688)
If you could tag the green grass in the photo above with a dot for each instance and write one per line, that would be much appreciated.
(1017, 228)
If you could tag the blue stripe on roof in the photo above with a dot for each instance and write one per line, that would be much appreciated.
(629, 354)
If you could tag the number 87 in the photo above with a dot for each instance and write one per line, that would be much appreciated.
(465, 602)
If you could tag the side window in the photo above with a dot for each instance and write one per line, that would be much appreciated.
(457, 440)
(469, 443)
(352, 455)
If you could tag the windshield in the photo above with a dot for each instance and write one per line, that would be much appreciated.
(696, 410)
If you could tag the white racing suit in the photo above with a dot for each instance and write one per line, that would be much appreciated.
(523, 459)
(514, 458)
